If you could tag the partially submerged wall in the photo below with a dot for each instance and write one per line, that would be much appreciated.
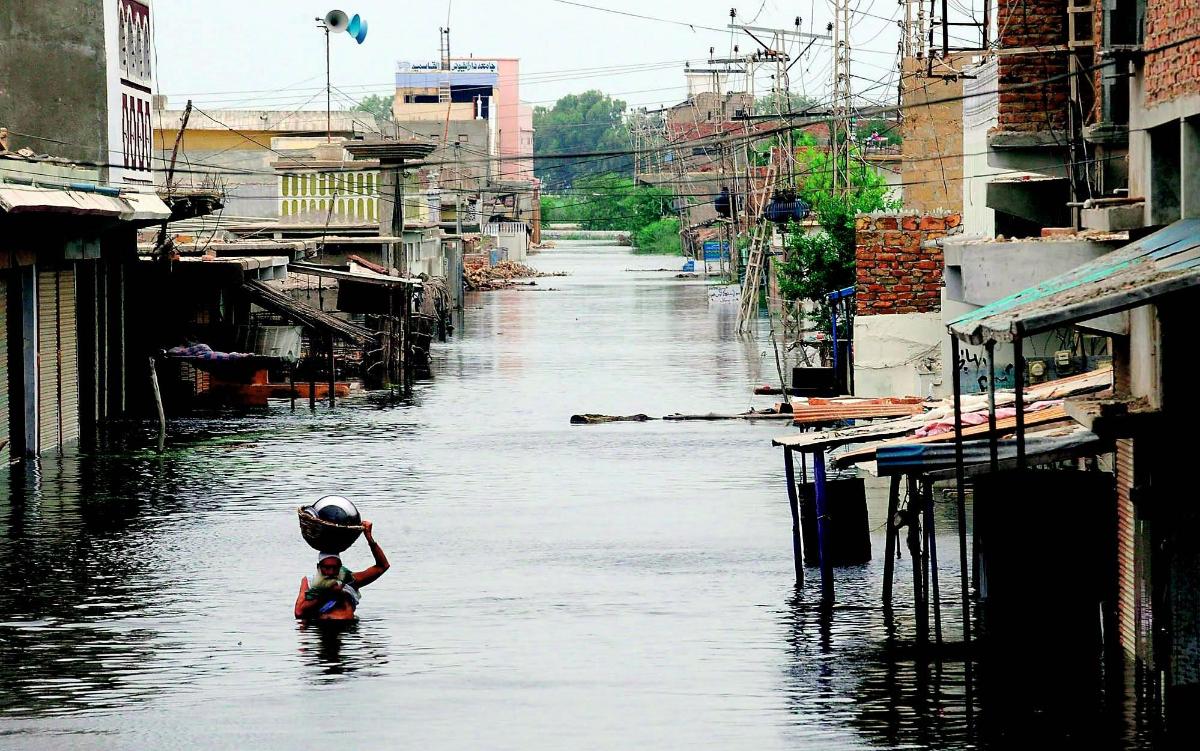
(898, 327)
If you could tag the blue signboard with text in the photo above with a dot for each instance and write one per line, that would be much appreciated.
(715, 250)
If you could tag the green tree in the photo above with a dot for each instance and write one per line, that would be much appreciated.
(379, 106)
(791, 102)
(577, 123)
(822, 262)
(616, 202)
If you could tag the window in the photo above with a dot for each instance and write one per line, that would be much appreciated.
(1164, 173)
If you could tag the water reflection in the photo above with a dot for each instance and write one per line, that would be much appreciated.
(334, 650)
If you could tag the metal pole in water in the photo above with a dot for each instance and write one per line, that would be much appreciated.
(793, 501)
(931, 546)
(960, 482)
(920, 561)
(889, 546)
(1019, 390)
(993, 439)
(823, 551)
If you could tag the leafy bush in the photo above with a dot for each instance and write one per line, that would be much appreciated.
(659, 237)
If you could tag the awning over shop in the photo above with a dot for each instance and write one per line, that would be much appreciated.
(127, 207)
(277, 302)
(1158, 264)
(22, 199)
(145, 207)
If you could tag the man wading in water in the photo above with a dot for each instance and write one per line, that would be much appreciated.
(333, 594)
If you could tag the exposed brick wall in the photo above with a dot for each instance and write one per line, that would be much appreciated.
(1175, 72)
(1033, 23)
(931, 165)
(896, 274)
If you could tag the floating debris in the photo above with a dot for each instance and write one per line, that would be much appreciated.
(502, 276)
(590, 419)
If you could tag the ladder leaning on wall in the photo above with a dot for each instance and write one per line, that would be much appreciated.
(760, 238)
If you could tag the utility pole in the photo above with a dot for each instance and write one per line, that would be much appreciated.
(328, 90)
(162, 233)
(840, 133)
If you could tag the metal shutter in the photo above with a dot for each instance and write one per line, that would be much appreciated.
(5, 451)
(1126, 579)
(58, 360)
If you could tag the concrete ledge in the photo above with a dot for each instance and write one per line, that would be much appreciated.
(1019, 139)
(1114, 218)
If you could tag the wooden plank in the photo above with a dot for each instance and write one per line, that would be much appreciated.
(1042, 417)
(832, 414)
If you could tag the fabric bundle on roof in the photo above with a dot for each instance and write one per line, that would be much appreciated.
(205, 352)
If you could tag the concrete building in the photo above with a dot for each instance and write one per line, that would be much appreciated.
(472, 88)
(235, 150)
(99, 55)
(68, 223)
(1110, 133)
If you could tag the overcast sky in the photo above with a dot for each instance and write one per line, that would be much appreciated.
(269, 54)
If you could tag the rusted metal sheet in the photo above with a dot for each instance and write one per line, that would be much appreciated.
(834, 413)
(1003, 425)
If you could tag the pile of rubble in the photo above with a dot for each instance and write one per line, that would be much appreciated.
(501, 276)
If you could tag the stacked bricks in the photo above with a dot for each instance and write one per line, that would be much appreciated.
(896, 273)
(1173, 72)
(1043, 105)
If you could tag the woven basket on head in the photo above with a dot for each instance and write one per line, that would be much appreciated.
(326, 537)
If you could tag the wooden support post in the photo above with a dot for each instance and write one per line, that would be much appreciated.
(889, 545)
(158, 404)
(823, 551)
(406, 340)
(332, 374)
(961, 502)
(292, 383)
(935, 590)
(794, 502)
(312, 371)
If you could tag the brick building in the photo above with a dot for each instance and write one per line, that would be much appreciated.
(898, 326)
(1098, 108)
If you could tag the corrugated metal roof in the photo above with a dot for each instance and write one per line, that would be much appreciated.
(1040, 448)
(306, 315)
(1158, 264)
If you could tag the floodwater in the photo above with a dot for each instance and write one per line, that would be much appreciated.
(552, 586)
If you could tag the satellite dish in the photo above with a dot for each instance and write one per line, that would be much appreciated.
(336, 20)
(357, 28)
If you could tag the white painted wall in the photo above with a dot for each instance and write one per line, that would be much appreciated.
(981, 111)
(899, 354)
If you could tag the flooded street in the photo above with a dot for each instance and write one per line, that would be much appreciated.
(552, 586)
